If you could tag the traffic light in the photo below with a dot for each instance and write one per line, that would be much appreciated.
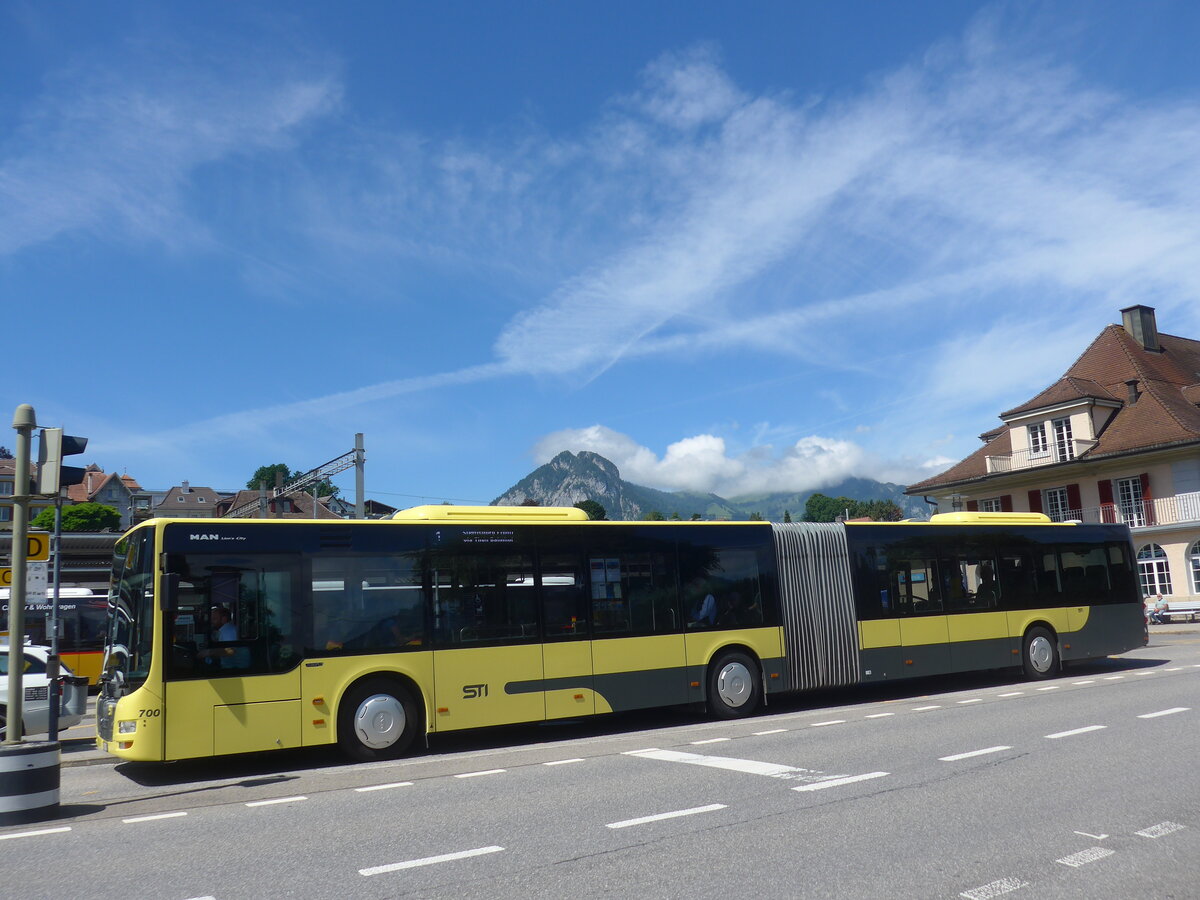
(52, 475)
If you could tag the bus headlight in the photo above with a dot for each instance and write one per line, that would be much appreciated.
(127, 726)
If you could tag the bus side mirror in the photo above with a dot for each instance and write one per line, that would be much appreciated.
(168, 592)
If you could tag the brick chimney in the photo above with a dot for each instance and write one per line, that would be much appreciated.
(1139, 322)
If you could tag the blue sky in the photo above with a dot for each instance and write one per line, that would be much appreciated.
(732, 247)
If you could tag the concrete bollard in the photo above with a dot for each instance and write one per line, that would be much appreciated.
(29, 778)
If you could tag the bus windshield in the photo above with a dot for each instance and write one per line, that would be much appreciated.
(129, 642)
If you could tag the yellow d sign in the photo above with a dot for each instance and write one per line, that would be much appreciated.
(5, 576)
(38, 544)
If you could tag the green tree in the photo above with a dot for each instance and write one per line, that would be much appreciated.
(653, 516)
(530, 501)
(5, 453)
(756, 517)
(80, 517)
(820, 508)
(787, 516)
(696, 517)
(594, 510)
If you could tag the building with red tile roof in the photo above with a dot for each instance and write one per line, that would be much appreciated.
(1115, 439)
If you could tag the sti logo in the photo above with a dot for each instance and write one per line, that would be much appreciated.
(205, 537)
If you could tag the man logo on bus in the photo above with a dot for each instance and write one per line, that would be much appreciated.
(205, 537)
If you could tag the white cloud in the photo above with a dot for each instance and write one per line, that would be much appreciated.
(704, 462)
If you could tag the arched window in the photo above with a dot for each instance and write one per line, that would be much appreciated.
(1194, 558)
(1152, 568)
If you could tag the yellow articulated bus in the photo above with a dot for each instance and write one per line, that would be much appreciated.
(233, 636)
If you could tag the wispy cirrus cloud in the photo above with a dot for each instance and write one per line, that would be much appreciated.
(110, 146)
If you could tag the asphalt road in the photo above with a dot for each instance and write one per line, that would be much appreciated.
(980, 787)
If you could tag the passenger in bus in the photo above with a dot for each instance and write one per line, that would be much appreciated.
(223, 632)
(705, 613)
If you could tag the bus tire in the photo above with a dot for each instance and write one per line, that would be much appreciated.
(377, 719)
(734, 685)
(1039, 655)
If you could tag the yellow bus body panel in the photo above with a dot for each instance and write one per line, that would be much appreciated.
(1020, 620)
(874, 633)
(702, 646)
(570, 660)
(980, 626)
(479, 686)
(197, 711)
(920, 630)
(85, 663)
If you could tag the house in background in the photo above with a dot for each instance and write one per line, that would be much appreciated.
(187, 502)
(290, 506)
(1116, 439)
(122, 492)
(8, 487)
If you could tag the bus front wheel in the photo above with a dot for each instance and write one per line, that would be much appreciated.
(1040, 656)
(377, 720)
(734, 687)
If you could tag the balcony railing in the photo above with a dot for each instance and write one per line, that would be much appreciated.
(1177, 510)
(1027, 459)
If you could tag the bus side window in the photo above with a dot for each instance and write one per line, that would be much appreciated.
(564, 600)
(1018, 581)
(914, 583)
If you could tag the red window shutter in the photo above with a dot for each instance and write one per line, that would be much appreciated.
(1108, 509)
(1035, 501)
(1006, 503)
(972, 506)
(1147, 498)
(1074, 503)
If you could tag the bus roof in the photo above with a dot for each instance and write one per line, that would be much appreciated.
(511, 514)
(993, 518)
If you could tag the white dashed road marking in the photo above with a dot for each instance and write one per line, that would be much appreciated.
(712, 807)
(154, 818)
(564, 762)
(1075, 731)
(1162, 828)
(275, 801)
(429, 861)
(838, 782)
(1083, 857)
(1165, 712)
(995, 889)
(477, 774)
(748, 766)
(384, 787)
(21, 834)
(969, 754)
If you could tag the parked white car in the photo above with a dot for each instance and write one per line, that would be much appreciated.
(35, 710)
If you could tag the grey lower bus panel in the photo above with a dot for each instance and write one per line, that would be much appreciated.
(817, 603)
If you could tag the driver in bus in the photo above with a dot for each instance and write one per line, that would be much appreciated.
(223, 632)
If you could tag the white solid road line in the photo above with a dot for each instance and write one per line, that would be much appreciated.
(1165, 712)
(154, 818)
(668, 815)
(484, 772)
(838, 782)
(383, 787)
(275, 801)
(428, 861)
(1075, 731)
(969, 754)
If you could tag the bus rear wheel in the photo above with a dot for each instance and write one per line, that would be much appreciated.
(1040, 654)
(734, 686)
(377, 719)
